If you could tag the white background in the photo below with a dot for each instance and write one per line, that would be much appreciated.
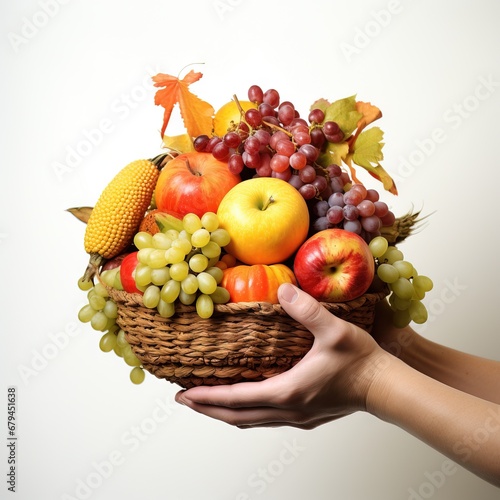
(71, 67)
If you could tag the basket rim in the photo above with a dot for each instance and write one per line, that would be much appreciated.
(370, 297)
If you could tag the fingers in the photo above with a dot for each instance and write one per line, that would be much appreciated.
(241, 395)
(308, 311)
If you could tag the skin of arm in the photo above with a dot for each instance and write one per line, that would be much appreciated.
(346, 371)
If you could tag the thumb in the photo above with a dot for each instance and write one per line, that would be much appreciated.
(307, 311)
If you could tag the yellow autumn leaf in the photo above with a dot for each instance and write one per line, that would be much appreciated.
(180, 143)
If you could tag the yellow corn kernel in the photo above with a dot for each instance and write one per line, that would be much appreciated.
(119, 211)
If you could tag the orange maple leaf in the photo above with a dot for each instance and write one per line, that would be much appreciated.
(196, 113)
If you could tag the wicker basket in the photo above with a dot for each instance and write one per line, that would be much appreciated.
(240, 342)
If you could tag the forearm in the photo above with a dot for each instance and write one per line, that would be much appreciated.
(461, 426)
(465, 372)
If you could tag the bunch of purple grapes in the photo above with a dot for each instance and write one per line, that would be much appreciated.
(272, 140)
(350, 206)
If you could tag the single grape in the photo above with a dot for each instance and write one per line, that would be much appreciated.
(137, 375)
(267, 111)
(200, 143)
(378, 246)
(107, 342)
(354, 226)
(392, 255)
(253, 117)
(302, 138)
(271, 97)
(295, 181)
(211, 250)
(158, 258)
(255, 94)
(86, 313)
(142, 239)
(366, 208)
(220, 236)
(130, 358)
(198, 263)
(189, 284)
(405, 268)
(235, 164)
(278, 136)
(403, 288)
(331, 128)
(370, 224)
(285, 147)
(161, 241)
(316, 115)
(308, 191)
(165, 309)
(182, 244)
(350, 212)
(151, 297)
(179, 271)
(211, 144)
(220, 151)
(97, 302)
(232, 140)
(387, 273)
(174, 255)
(99, 321)
(121, 340)
(381, 208)
(286, 113)
(251, 160)
(307, 174)
(309, 151)
(200, 238)
(110, 309)
(170, 291)
(298, 160)
(418, 312)
(335, 215)
(220, 296)
(187, 298)
(423, 283)
(191, 222)
(320, 208)
(204, 306)
(206, 283)
(321, 223)
(279, 163)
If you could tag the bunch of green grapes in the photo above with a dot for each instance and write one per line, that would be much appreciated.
(101, 312)
(407, 287)
(181, 266)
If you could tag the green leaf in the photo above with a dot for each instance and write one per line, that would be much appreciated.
(320, 104)
(367, 152)
(334, 154)
(368, 147)
(345, 114)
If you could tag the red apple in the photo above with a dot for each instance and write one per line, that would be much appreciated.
(334, 265)
(193, 183)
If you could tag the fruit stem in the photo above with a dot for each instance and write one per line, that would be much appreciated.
(268, 202)
(95, 262)
(188, 165)
(277, 127)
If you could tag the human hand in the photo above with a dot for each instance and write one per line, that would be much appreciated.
(331, 381)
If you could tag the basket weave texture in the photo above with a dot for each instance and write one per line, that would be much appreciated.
(246, 341)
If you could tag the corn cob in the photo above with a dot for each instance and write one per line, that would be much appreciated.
(118, 212)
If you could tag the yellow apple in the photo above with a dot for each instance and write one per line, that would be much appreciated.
(266, 218)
